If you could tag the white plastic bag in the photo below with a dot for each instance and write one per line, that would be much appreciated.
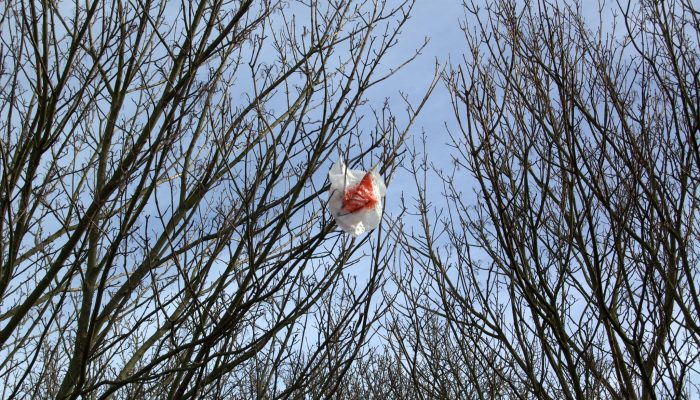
(355, 198)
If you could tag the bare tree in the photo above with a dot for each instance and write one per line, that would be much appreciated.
(572, 271)
(162, 164)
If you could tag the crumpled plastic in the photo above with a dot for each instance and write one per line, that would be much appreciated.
(355, 198)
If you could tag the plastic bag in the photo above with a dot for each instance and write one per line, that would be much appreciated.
(355, 198)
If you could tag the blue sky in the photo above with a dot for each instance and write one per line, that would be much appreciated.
(439, 22)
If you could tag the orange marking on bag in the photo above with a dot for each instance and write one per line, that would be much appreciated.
(361, 196)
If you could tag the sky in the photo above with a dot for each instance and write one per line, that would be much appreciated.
(439, 22)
